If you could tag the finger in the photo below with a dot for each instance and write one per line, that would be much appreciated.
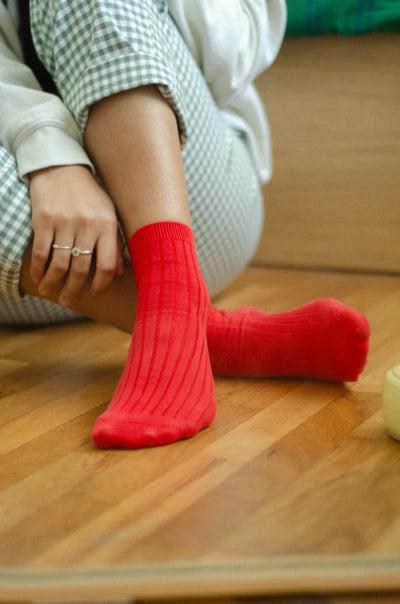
(106, 263)
(78, 273)
(41, 250)
(59, 264)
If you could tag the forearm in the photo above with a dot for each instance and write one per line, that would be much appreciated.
(132, 138)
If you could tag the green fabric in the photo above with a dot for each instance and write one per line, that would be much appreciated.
(348, 17)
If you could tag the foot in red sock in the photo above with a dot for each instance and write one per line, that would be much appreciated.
(166, 391)
(323, 339)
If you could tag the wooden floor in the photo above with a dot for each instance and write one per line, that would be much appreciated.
(294, 488)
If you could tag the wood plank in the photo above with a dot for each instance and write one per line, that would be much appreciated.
(275, 576)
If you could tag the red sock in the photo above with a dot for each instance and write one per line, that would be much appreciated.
(323, 339)
(166, 391)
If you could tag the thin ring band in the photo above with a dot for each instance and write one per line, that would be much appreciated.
(61, 247)
(75, 251)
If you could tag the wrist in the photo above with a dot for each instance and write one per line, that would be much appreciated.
(69, 169)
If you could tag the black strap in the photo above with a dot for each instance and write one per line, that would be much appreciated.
(30, 55)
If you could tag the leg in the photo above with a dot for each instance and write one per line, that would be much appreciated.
(323, 339)
(166, 391)
(139, 159)
(224, 202)
(116, 307)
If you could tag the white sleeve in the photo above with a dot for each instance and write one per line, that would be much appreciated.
(232, 41)
(35, 126)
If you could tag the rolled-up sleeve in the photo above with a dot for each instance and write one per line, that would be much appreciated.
(35, 126)
(96, 48)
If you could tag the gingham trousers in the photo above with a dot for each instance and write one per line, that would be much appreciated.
(95, 48)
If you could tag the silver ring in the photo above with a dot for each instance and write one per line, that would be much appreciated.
(77, 252)
(61, 247)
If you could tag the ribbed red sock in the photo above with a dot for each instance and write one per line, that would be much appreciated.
(166, 391)
(323, 339)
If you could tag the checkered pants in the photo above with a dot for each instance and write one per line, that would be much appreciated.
(95, 48)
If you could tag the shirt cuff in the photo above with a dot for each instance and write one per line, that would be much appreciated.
(49, 146)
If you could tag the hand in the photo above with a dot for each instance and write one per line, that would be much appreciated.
(69, 208)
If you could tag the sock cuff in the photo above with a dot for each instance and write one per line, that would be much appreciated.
(160, 230)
